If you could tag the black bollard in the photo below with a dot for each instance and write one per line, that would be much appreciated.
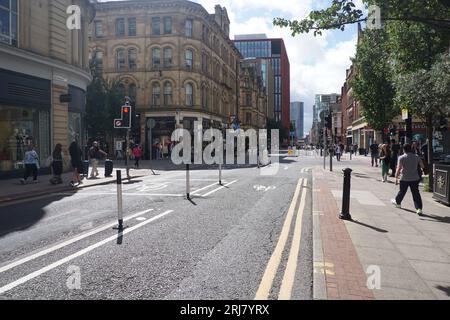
(188, 183)
(331, 159)
(345, 213)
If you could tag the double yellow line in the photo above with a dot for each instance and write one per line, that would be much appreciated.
(275, 260)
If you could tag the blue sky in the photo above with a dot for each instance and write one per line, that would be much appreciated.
(318, 64)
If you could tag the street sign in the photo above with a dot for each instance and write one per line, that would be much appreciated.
(117, 124)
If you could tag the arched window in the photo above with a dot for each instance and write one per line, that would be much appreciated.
(132, 92)
(156, 57)
(189, 95)
(167, 93)
(167, 57)
(189, 59)
(121, 59)
(132, 59)
(98, 60)
(156, 94)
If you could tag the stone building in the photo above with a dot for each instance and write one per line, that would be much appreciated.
(41, 60)
(173, 58)
(253, 97)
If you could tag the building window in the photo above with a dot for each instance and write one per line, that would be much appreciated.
(121, 59)
(167, 57)
(189, 95)
(156, 26)
(98, 60)
(189, 59)
(132, 92)
(188, 28)
(167, 25)
(120, 27)
(156, 57)
(132, 27)
(132, 58)
(167, 93)
(8, 22)
(98, 29)
(248, 99)
(156, 94)
(205, 97)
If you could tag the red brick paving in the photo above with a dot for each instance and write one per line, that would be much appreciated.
(349, 279)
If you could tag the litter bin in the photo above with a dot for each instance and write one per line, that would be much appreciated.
(442, 182)
(109, 167)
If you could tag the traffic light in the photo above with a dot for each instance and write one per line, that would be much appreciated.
(125, 121)
(329, 121)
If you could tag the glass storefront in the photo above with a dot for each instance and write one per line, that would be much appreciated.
(20, 128)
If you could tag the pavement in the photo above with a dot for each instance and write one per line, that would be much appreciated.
(384, 253)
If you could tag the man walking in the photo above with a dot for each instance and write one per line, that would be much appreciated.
(374, 153)
(395, 149)
(95, 155)
(408, 167)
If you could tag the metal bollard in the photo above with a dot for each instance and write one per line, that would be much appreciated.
(220, 174)
(345, 213)
(188, 183)
(119, 200)
(331, 160)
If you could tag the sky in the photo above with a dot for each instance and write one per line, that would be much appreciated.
(318, 64)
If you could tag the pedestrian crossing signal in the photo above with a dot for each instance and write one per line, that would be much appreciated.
(125, 121)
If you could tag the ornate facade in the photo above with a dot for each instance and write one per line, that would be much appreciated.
(173, 58)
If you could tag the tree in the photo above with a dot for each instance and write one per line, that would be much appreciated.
(372, 85)
(433, 13)
(103, 101)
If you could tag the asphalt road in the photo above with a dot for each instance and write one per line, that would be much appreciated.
(231, 242)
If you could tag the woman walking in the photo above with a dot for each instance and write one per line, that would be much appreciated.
(57, 164)
(137, 153)
(77, 163)
(31, 161)
(385, 157)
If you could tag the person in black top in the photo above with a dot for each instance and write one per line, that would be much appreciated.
(395, 150)
(57, 164)
(77, 163)
(374, 153)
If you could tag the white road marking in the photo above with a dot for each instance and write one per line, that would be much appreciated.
(291, 267)
(66, 243)
(207, 187)
(275, 260)
(76, 255)
(220, 188)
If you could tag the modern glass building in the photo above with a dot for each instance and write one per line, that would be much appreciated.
(298, 118)
(259, 46)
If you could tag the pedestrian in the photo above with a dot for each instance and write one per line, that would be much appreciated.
(385, 157)
(57, 164)
(408, 167)
(77, 163)
(95, 155)
(355, 149)
(31, 161)
(374, 148)
(338, 152)
(137, 153)
(395, 150)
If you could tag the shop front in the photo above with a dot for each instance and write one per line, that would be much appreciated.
(159, 135)
(25, 104)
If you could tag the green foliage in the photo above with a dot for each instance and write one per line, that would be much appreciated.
(103, 101)
(372, 86)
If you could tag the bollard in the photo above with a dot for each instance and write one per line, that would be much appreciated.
(220, 174)
(345, 213)
(331, 160)
(119, 200)
(188, 183)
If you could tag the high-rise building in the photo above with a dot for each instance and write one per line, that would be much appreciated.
(298, 118)
(259, 46)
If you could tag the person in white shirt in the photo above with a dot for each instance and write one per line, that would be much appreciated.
(31, 161)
